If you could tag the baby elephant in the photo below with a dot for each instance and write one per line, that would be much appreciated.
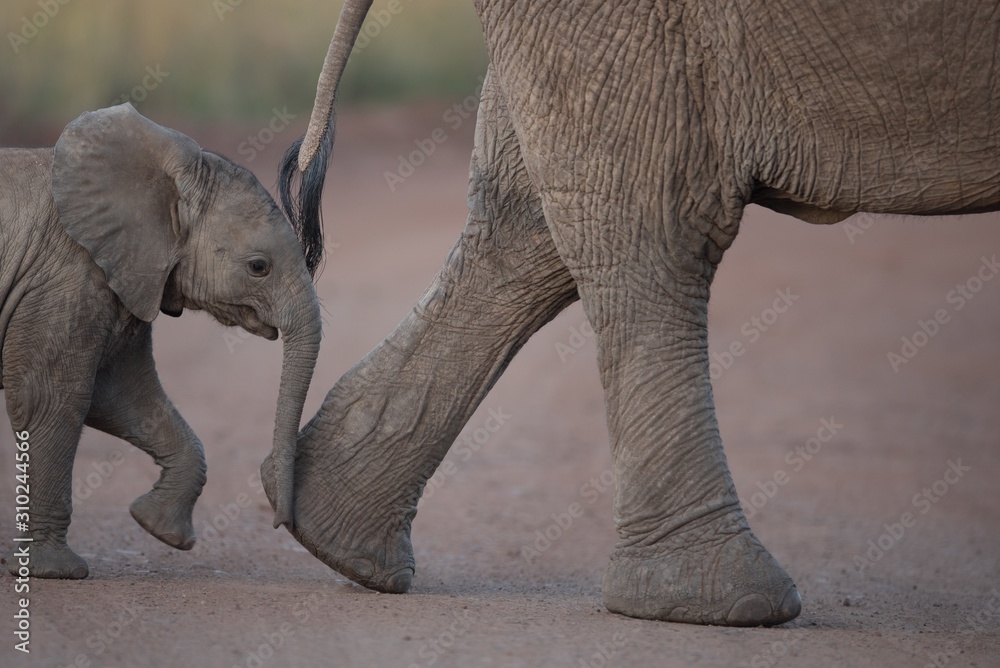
(120, 220)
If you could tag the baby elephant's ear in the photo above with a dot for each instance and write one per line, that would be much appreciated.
(116, 180)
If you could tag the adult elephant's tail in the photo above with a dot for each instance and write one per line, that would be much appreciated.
(307, 157)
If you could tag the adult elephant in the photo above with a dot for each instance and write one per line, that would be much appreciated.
(618, 144)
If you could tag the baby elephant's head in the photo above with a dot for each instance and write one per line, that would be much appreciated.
(176, 227)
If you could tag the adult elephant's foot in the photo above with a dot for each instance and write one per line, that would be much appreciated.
(349, 531)
(47, 556)
(165, 517)
(384, 562)
(715, 573)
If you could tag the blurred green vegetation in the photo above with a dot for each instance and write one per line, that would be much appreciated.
(224, 59)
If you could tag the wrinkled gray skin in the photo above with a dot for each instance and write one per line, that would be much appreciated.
(618, 144)
(123, 219)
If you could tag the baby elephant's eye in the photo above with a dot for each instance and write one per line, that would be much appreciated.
(259, 267)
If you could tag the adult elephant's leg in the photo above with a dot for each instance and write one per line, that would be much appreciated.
(130, 403)
(643, 190)
(363, 460)
(685, 551)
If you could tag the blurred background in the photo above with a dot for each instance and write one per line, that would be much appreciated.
(221, 59)
(222, 71)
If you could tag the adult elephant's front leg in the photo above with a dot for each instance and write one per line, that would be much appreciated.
(363, 460)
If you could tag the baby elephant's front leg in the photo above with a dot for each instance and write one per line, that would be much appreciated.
(42, 501)
(47, 382)
(130, 403)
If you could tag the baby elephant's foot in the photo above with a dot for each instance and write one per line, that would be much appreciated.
(165, 518)
(46, 559)
(715, 577)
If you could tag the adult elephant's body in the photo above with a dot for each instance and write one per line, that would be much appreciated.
(700, 110)
(618, 144)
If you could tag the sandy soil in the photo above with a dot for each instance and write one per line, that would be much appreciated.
(883, 442)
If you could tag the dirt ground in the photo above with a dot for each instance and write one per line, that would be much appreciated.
(875, 486)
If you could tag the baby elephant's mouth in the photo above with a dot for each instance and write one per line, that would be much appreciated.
(238, 315)
(250, 321)
(266, 331)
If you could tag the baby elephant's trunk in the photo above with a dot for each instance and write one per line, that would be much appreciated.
(301, 330)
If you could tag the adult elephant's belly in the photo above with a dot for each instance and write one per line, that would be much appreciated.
(931, 172)
(847, 111)
(789, 204)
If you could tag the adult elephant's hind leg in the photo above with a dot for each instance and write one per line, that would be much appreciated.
(364, 459)
(685, 551)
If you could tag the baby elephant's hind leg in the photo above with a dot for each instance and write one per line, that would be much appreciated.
(130, 403)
